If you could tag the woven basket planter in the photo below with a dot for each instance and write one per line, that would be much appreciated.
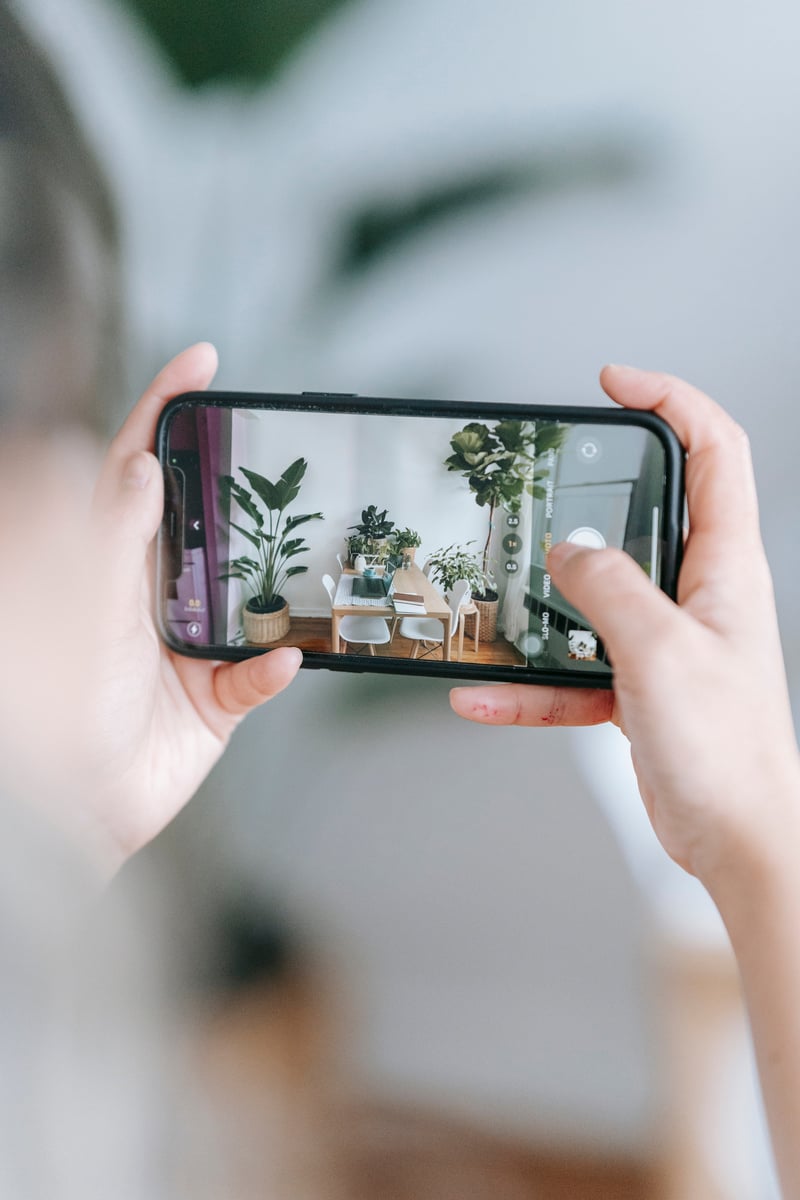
(262, 628)
(488, 612)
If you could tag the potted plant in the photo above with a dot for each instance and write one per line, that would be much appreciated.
(498, 463)
(405, 543)
(266, 612)
(375, 528)
(452, 563)
(356, 544)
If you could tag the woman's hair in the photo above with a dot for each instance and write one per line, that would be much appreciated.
(59, 273)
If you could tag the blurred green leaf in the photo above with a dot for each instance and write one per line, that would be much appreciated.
(246, 41)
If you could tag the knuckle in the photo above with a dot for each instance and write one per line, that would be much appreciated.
(739, 437)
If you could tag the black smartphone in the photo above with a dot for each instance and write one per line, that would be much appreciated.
(404, 536)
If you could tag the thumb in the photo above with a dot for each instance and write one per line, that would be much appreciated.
(128, 511)
(615, 595)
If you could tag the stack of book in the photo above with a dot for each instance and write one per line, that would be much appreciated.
(409, 604)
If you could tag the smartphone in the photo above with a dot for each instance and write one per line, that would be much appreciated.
(404, 536)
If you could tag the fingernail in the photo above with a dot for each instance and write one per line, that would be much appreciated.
(623, 367)
(138, 471)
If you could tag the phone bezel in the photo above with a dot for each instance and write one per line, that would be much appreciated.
(326, 402)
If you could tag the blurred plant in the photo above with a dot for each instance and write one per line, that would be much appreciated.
(269, 572)
(246, 41)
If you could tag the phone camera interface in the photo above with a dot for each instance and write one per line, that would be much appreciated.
(411, 535)
(589, 449)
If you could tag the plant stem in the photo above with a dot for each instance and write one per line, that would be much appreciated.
(492, 507)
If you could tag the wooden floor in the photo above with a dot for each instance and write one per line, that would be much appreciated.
(265, 1065)
(314, 634)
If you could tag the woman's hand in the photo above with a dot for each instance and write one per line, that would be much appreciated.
(160, 721)
(699, 687)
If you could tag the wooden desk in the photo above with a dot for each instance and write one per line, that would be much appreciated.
(406, 579)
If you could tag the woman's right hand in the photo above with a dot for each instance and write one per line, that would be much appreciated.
(699, 686)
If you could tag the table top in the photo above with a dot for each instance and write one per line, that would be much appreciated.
(406, 579)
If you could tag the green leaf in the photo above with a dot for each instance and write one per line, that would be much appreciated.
(263, 488)
(295, 571)
(292, 522)
(284, 494)
(251, 537)
(470, 440)
(247, 504)
(550, 436)
(294, 473)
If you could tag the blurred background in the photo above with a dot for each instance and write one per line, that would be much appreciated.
(484, 978)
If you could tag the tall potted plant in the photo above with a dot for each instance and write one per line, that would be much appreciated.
(266, 613)
(498, 463)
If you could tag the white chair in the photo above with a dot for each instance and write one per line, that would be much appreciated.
(427, 567)
(360, 631)
(429, 629)
(340, 561)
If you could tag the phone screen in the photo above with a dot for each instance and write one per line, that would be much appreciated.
(404, 536)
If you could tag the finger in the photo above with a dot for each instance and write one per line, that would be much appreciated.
(617, 598)
(190, 371)
(126, 520)
(240, 687)
(720, 487)
(518, 704)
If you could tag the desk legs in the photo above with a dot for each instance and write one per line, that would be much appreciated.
(335, 639)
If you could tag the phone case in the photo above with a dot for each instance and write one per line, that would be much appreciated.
(264, 495)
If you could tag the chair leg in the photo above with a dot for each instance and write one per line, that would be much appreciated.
(415, 651)
(477, 630)
(372, 649)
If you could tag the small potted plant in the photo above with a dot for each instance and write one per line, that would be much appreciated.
(376, 529)
(455, 562)
(356, 545)
(266, 612)
(405, 543)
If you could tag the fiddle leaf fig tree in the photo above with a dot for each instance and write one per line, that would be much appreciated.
(499, 464)
(268, 531)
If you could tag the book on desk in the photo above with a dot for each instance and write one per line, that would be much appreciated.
(409, 604)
